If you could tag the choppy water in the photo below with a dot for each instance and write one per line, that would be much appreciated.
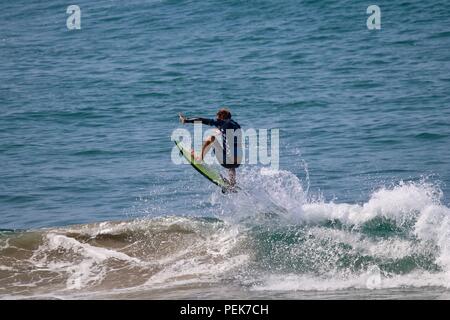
(100, 210)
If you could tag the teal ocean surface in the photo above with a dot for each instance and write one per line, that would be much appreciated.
(91, 205)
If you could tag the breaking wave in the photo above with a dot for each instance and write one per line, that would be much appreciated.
(271, 237)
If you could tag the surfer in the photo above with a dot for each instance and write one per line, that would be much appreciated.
(228, 153)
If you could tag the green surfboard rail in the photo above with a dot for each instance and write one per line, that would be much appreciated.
(209, 173)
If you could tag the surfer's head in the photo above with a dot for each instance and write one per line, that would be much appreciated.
(223, 114)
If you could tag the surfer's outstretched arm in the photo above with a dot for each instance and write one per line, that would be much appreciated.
(208, 122)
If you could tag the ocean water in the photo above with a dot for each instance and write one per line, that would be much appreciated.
(92, 207)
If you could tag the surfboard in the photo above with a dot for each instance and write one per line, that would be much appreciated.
(209, 173)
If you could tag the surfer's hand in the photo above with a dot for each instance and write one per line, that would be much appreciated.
(182, 118)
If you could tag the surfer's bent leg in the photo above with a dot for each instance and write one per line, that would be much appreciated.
(206, 146)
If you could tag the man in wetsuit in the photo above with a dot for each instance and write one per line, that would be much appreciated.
(227, 142)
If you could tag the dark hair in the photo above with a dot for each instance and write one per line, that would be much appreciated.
(224, 113)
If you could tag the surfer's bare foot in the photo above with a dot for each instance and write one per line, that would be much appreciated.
(195, 157)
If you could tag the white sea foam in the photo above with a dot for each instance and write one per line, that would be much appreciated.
(414, 206)
(5, 268)
(85, 268)
(305, 282)
(401, 203)
(206, 261)
(4, 244)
